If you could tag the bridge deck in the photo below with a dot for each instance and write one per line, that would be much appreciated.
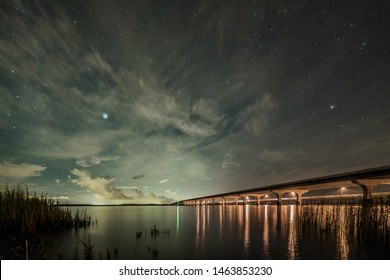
(380, 175)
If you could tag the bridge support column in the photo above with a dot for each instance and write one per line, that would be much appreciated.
(367, 188)
(299, 194)
(243, 199)
(279, 195)
(258, 199)
(367, 192)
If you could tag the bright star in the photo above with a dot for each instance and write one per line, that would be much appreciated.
(105, 116)
(332, 106)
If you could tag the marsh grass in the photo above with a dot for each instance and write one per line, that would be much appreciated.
(367, 223)
(88, 248)
(25, 214)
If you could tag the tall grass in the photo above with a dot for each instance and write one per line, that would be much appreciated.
(22, 213)
(362, 222)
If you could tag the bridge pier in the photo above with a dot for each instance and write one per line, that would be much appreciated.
(257, 195)
(299, 194)
(243, 199)
(280, 193)
(367, 187)
(236, 198)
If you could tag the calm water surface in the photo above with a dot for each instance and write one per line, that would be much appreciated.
(208, 232)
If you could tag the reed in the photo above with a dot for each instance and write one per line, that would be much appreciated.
(369, 223)
(23, 214)
(88, 248)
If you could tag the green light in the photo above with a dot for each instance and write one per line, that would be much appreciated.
(177, 218)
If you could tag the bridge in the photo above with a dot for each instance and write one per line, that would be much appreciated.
(366, 179)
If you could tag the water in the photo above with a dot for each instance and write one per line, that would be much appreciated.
(208, 232)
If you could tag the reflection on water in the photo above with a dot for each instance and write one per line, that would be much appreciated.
(342, 239)
(265, 231)
(246, 231)
(228, 232)
(292, 234)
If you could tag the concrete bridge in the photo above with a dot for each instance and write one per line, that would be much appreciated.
(366, 179)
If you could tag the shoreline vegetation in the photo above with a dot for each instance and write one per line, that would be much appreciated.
(25, 214)
(368, 223)
(26, 217)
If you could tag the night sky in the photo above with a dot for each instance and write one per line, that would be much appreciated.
(155, 101)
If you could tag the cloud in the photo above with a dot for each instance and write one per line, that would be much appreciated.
(23, 170)
(165, 110)
(255, 116)
(83, 163)
(103, 189)
(172, 193)
(163, 181)
(58, 145)
(271, 155)
(100, 186)
(61, 197)
(229, 163)
(94, 160)
(134, 193)
(161, 198)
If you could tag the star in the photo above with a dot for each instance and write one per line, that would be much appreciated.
(105, 116)
(331, 107)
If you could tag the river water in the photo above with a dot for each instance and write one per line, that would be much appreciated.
(210, 232)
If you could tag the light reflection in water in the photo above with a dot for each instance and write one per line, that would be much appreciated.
(197, 235)
(204, 208)
(246, 231)
(292, 235)
(240, 218)
(221, 220)
(177, 219)
(342, 238)
(266, 233)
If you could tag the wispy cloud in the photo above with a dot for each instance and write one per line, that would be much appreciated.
(94, 160)
(229, 163)
(19, 171)
(61, 197)
(255, 117)
(279, 156)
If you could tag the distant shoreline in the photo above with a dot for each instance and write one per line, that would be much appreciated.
(69, 205)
